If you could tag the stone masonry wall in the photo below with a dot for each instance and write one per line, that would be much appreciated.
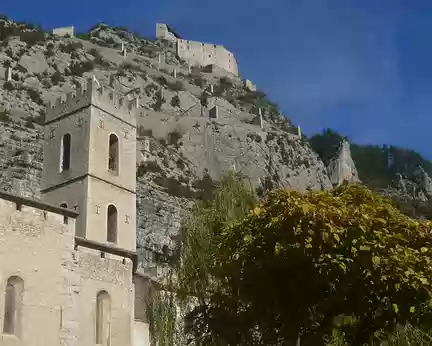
(64, 31)
(204, 54)
(60, 283)
(162, 32)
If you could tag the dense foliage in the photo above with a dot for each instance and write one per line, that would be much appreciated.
(300, 269)
(299, 263)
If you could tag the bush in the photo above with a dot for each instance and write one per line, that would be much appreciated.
(174, 138)
(255, 137)
(70, 47)
(21, 69)
(5, 117)
(57, 77)
(78, 69)
(8, 86)
(148, 167)
(199, 81)
(34, 95)
(32, 37)
(180, 163)
(176, 86)
(149, 89)
(205, 187)
(50, 50)
(174, 187)
(94, 52)
(98, 59)
(83, 36)
(175, 101)
(29, 124)
(225, 81)
(159, 101)
(161, 80)
(130, 67)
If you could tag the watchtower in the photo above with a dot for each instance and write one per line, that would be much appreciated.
(90, 162)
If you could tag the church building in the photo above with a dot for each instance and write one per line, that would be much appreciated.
(68, 263)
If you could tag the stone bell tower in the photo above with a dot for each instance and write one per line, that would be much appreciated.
(90, 163)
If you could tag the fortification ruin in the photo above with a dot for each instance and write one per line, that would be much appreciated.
(64, 31)
(199, 53)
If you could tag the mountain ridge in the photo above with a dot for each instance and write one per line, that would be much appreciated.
(193, 125)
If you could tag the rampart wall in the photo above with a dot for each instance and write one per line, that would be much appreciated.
(164, 33)
(199, 53)
(204, 54)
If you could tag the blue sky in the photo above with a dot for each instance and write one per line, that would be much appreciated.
(361, 67)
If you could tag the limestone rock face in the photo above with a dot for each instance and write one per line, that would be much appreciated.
(342, 168)
(177, 143)
(425, 182)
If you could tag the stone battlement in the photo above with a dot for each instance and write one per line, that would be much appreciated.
(106, 99)
(32, 209)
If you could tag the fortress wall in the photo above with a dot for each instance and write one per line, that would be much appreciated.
(162, 32)
(64, 31)
(220, 72)
(204, 54)
(60, 282)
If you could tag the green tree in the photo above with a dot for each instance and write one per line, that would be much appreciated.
(326, 144)
(301, 265)
(190, 277)
(175, 101)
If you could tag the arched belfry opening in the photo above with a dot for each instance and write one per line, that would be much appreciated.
(113, 153)
(13, 306)
(112, 224)
(103, 318)
(65, 152)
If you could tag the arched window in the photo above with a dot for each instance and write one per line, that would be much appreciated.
(13, 304)
(103, 318)
(113, 158)
(112, 224)
(65, 152)
(65, 218)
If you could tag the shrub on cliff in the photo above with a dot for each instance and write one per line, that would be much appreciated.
(5, 117)
(175, 101)
(175, 86)
(79, 68)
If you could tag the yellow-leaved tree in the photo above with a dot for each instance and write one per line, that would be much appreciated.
(300, 265)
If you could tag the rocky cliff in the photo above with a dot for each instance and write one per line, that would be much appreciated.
(341, 167)
(184, 143)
